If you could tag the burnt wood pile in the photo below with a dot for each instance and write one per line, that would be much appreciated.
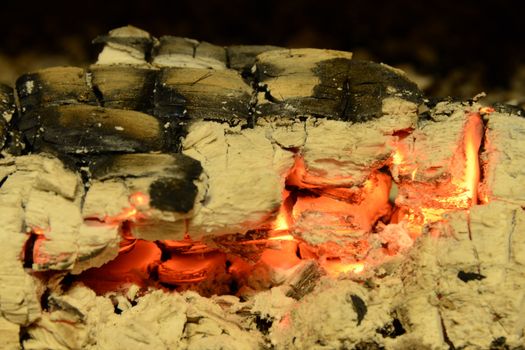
(178, 155)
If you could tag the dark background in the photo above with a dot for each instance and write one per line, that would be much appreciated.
(472, 43)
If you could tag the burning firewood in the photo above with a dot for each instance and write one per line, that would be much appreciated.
(324, 198)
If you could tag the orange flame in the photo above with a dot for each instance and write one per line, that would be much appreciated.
(282, 238)
(336, 267)
(136, 200)
(473, 133)
(282, 221)
(139, 199)
(39, 231)
(126, 214)
(486, 110)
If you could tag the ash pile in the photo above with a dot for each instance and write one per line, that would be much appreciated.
(178, 194)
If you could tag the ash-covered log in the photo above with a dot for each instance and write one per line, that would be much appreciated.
(339, 206)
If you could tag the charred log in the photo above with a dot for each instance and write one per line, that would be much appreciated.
(243, 57)
(328, 84)
(83, 129)
(124, 87)
(54, 87)
(202, 94)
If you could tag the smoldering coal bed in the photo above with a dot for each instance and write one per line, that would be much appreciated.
(177, 194)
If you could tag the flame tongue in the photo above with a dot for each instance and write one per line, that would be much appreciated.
(473, 136)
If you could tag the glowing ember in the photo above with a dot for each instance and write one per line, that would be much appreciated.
(472, 143)
(486, 110)
(346, 227)
(336, 267)
(131, 267)
(282, 238)
(39, 231)
(126, 214)
(139, 199)
(282, 222)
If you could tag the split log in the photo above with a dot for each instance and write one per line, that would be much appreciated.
(461, 285)
(175, 51)
(54, 87)
(83, 129)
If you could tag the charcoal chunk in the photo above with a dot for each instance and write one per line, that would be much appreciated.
(173, 194)
(359, 307)
(470, 276)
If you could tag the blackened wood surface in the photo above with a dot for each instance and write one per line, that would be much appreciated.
(173, 188)
(327, 84)
(54, 86)
(3, 132)
(194, 93)
(124, 87)
(196, 81)
(242, 57)
(83, 129)
(144, 164)
(7, 109)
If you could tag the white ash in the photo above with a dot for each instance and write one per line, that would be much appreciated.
(160, 320)
(10, 335)
(246, 175)
(114, 53)
(502, 158)
(352, 151)
(39, 193)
